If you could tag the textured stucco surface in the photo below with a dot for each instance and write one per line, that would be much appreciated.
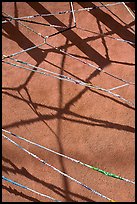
(91, 126)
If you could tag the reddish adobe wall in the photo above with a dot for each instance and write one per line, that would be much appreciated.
(86, 124)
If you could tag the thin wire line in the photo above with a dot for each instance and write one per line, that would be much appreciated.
(67, 28)
(27, 188)
(106, 35)
(98, 68)
(68, 11)
(72, 159)
(72, 8)
(89, 64)
(63, 77)
(54, 168)
(29, 28)
(47, 36)
(20, 52)
(117, 87)
(45, 72)
(128, 9)
(6, 21)
(117, 17)
(30, 21)
(118, 39)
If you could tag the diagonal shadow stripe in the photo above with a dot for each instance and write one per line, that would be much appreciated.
(23, 41)
(65, 111)
(56, 189)
(109, 21)
(17, 193)
(73, 37)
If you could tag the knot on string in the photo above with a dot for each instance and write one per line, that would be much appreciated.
(4, 56)
(45, 38)
(8, 18)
